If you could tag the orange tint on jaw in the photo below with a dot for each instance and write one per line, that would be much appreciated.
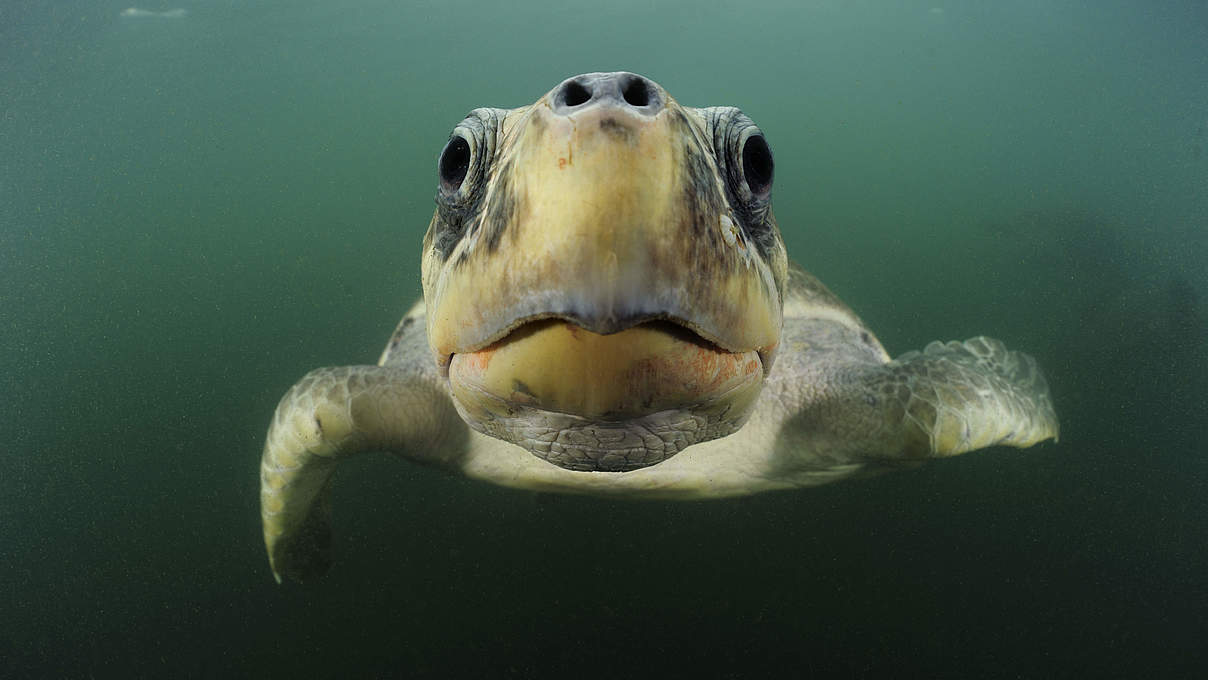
(477, 362)
(556, 366)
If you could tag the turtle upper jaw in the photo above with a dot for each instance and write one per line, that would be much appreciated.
(581, 308)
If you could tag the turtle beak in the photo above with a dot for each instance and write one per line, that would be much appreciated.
(604, 208)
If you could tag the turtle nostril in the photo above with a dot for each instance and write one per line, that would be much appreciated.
(620, 90)
(575, 94)
(636, 92)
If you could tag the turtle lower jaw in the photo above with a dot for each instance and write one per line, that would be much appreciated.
(616, 402)
(580, 444)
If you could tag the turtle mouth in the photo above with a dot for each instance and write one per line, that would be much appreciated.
(672, 326)
(605, 402)
(558, 364)
(676, 328)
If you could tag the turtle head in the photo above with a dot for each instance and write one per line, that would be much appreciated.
(603, 276)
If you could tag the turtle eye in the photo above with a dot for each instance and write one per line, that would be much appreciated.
(757, 166)
(454, 164)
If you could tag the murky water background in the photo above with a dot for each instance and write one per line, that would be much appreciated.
(196, 209)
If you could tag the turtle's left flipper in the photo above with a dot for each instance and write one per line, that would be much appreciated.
(329, 415)
(957, 397)
(949, 399)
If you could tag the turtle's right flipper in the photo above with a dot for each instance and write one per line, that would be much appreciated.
(329, 415)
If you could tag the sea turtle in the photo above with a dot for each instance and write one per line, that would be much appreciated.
(608, 309)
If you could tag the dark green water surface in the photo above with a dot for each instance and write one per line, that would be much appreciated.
(196, 210)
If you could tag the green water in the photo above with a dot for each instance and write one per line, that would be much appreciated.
(195, 211)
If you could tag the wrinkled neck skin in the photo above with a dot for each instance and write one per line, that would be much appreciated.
(600, 290)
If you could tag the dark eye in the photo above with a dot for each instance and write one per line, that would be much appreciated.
(757, 165)
(454, 163)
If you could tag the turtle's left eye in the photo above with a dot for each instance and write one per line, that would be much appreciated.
(757, 166)
(454, 164)
(744, 160)
(743, 156)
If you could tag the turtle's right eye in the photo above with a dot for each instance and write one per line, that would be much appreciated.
(465, 161)
(454, 164)
(462, 174)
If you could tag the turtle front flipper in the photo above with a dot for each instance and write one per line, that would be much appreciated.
(949, 399)
(958, 397)
(327, 416)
